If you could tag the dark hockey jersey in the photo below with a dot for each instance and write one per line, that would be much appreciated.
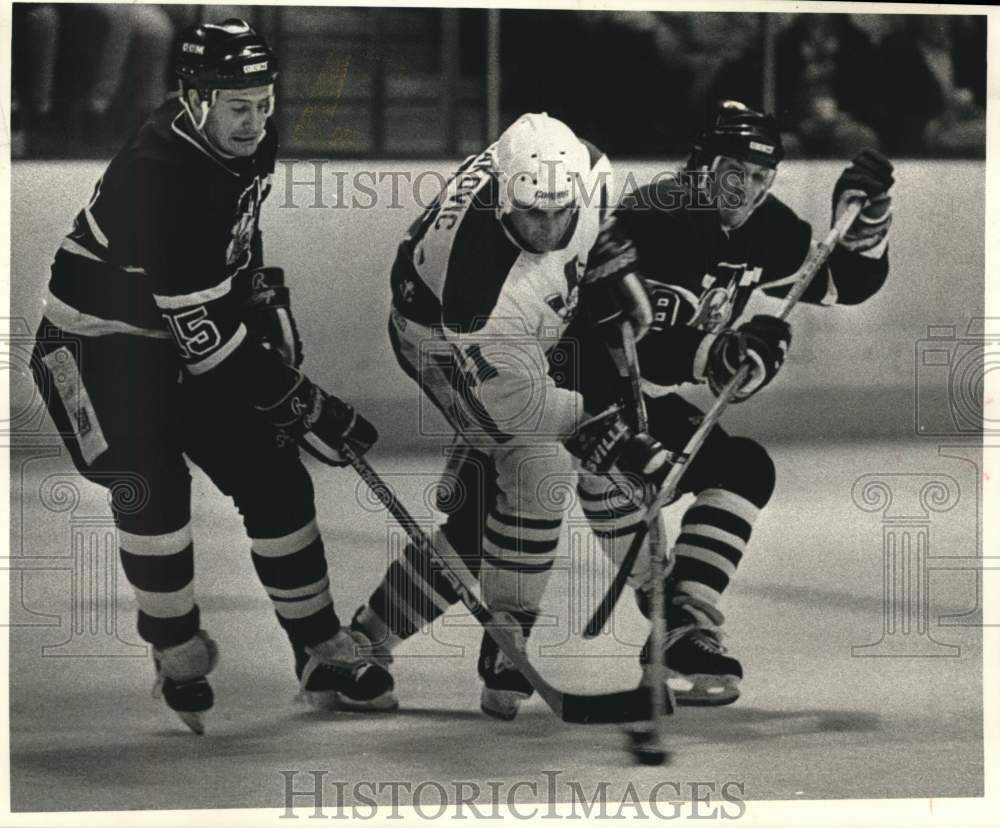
(164, 249)
(701, 277)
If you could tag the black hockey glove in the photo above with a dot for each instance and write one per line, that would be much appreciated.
(268, 314)
(605, 442)
(763, 342)
(321, 422)
(868, 175)
(612, 292)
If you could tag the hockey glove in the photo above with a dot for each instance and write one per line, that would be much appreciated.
(605, 442)
(321, 422)
(268, 314)
(869, 175)
(763, 342)
(612, 291)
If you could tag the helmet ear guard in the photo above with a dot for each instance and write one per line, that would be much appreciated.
(207, 98)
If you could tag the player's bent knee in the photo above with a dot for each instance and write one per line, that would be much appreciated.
(749, 470)
(150, 502)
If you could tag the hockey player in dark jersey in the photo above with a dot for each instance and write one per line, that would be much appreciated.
(484, 285)
(706, 239)
(165, 335)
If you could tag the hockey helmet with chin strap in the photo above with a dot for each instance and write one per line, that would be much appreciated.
(213, 56)
(539, 163)
(738, 132)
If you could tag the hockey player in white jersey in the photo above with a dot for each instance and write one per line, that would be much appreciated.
(484, 283)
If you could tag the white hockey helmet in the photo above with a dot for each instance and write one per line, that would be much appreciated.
(539, 163)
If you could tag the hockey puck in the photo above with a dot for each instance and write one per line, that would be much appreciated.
(646, 749)
(648, 756)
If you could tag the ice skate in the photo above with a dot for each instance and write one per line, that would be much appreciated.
(698, 669)
(336, 675)
(180, 678)
(504, 688)
(381, 655)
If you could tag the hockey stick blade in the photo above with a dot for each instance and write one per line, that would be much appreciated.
(810, 267)
(612, 708)
(607, 708)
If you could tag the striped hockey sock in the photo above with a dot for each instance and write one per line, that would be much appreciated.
(714, 535)
(160, 569)
(518, 553)
(615, 514)
(412, 594)
(293, 571)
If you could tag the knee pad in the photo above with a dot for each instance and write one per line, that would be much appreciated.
(748, 470)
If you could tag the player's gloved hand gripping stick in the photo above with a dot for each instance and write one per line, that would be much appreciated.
(810, 267)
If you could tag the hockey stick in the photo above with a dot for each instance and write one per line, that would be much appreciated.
(608, 708)
(810, 267)
(647, 739)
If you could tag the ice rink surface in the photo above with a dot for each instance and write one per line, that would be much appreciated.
(816, 719)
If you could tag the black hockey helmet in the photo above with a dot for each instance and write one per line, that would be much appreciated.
(229, 55)
(737, 131)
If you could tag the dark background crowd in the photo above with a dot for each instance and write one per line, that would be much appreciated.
(406, 82)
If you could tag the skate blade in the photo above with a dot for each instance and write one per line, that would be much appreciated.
(703, 690)
(500, 704)
(385, 703)
(193, 721)
(320, 699)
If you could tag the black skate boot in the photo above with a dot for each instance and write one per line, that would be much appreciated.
(699, 671)
(334, 675)
(371, 645)
(180, 678)
(504, 688)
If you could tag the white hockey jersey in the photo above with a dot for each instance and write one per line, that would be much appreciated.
(501, 308)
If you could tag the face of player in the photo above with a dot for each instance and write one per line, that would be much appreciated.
(235, 124)
(541, 230)
(740, 188)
